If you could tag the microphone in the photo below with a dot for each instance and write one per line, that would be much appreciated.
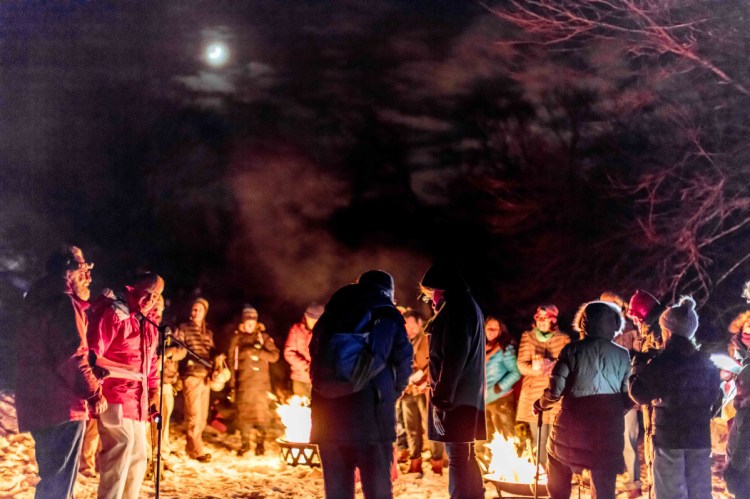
(109, 293)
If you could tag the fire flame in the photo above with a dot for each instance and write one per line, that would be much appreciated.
(507, 466)
(295, 416)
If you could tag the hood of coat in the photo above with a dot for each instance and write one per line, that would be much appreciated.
(445, 276)
(599, 319)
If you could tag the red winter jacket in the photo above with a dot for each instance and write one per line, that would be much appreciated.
(115, 334)
(297, 352)
(54, 378)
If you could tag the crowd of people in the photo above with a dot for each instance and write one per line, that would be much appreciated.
(386, 384)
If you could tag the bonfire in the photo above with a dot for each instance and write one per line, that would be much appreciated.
(507, 466)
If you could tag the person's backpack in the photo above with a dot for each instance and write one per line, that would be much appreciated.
(346, 362)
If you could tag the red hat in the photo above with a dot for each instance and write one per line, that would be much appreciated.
(547, 311)
(641, 304)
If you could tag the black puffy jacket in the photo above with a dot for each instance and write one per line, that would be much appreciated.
(682, 384)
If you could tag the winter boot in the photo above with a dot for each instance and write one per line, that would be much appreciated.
(437, 466)
(415, 466)
(260, 449)
(242, 450)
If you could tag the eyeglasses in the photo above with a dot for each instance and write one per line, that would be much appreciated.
(80, 265)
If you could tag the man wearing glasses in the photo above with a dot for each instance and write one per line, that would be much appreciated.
(56, 387)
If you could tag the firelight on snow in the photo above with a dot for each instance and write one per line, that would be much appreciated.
(296, 418)
(217, 54)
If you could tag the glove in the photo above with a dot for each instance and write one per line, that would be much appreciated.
(537, 407)
(437, 420)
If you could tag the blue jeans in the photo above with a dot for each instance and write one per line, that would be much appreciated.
(630, 453)
(682, 473)
(464, 475)
(373, 460)
(58, 450)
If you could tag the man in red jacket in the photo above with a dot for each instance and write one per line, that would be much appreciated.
(297, 350)
(56, 387)
(119, 334)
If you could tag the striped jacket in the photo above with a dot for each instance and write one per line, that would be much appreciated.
(201, 341)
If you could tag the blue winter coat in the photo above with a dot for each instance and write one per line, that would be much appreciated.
(502, 372)
(367, 416)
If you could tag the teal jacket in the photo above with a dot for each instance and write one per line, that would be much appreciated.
(502, 372)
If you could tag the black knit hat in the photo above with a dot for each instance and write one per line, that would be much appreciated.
(378, 278)
(443, 275)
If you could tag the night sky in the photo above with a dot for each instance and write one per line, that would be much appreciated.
(338, 137)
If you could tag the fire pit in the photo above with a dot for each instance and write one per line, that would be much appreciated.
(296, 448)
(513, 474)
(299, 453)
(517, 489)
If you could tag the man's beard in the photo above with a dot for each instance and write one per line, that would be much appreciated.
(82, 291)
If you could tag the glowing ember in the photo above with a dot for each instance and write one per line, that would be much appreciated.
(506, 466)
(295, 415)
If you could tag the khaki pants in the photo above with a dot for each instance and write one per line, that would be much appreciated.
(152, 436)
(122, 462)
(90, 448)
(166, 414)
(197, 398)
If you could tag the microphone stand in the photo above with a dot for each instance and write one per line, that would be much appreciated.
(165, 332)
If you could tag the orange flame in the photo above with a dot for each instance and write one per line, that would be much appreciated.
(295, 416)
(507, 466)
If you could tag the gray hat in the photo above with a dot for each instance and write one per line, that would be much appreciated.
(681, 319)
(314, 311)
(249, 313)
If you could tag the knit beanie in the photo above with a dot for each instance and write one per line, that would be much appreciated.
(249, 313)
(681, 319)
(547, 312)
(641, 304)
(203, 302)
(314, 311)
(377, 278)
(599, 318)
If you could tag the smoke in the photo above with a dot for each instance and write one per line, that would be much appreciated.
(284, 203)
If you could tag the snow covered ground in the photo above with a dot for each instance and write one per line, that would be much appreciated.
(226, 476)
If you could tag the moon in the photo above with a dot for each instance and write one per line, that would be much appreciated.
(217, 54)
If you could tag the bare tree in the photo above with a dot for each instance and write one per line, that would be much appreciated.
(691, 201)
